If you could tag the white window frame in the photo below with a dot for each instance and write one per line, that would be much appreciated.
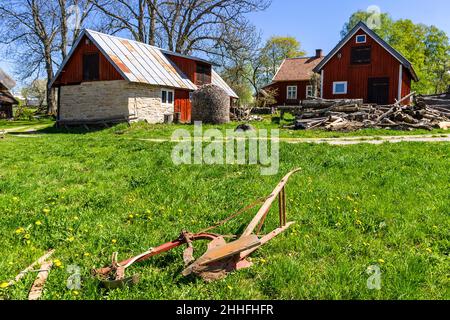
(361, 35)
(310, 92)
(167, 97)
(289, 90)
(345, 83)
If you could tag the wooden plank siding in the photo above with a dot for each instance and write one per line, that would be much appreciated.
(189, 68)
(383, 65)
(281, 87)
(183, 105)
(73, 71)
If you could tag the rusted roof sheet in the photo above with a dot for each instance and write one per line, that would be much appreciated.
(6, 80)
(218, 81)
(140, 62)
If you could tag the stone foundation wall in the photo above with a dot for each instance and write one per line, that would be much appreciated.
(112, 99)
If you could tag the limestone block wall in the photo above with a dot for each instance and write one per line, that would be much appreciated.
(145, 103)
(112, 99)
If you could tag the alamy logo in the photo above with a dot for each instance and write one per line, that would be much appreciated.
(374, 281)
(374, 20)
(74, 280)
(212, 147)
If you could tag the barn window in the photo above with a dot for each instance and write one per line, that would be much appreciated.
(292, 92)
(91, 67)
(310, 91)
(202, 74)
(361, 39)
(340, 87)
(361, 55)
(167, 97)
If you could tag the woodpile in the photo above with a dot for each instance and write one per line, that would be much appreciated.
(351, 115)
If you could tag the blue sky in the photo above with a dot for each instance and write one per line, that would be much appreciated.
(317, 24)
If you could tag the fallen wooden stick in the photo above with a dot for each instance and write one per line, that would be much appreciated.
(38, 285)
(39, 261)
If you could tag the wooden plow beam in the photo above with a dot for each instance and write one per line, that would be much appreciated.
(221, 257)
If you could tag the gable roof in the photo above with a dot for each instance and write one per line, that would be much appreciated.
(139, 62)
(297, 69)
(362, 26)
(6, 80)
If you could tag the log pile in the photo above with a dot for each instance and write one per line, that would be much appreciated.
(351, 115)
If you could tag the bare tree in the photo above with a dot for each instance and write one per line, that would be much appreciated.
(36, 32)
(183, 26)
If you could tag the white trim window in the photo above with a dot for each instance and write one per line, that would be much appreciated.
(362, 38)
(310, 92)
(340, 87)
(167, 97)
(291, 92)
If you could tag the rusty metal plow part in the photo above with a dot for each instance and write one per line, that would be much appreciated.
(221, 257)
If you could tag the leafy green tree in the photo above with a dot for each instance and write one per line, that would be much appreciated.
(276, 50)
(426, 47)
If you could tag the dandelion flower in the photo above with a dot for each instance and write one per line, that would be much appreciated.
(87, 254)
(27, 236)
(38, 223)
(20, 230)
(381, 261)
(71, 239)
(75, 293)
(114, 241)
(57, 263)
(131, 216)
(46, 210)
(4, 285)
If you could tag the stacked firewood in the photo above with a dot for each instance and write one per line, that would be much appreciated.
(351, 115)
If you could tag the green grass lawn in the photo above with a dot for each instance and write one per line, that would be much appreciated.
(88, 195)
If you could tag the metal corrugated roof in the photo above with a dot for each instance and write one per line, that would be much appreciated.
(218, 81)
(143, 63)
(6, 80)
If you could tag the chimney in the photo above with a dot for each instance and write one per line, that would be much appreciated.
(319, 53)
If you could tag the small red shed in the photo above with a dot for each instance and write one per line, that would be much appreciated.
(364, 66)
(293, 81)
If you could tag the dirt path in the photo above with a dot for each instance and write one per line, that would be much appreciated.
(349, 140)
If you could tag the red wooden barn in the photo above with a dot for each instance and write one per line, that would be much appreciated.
(293, 81)
(364, 66)
(111, 78)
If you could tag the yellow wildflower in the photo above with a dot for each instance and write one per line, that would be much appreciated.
(4, 285)
(57, 263)
(70, 239)
(359, 222)
(230, 287)
(114, 241)
(381, 261)
(75, 293)
(87, 254)
(130, 216)
(20, 230)
(38, 223)
(46, 210)
(27, 236)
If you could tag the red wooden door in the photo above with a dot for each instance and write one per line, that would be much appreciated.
(183, 105)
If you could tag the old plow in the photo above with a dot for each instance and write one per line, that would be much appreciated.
(221, 257)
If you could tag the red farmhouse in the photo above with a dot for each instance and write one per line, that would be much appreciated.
(364, 66)
(293, 81)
